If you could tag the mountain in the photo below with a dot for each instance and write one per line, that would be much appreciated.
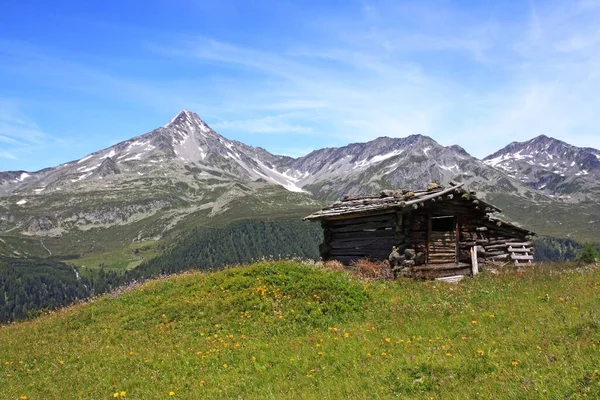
(141, 189)
(182, 175)
(551, 166)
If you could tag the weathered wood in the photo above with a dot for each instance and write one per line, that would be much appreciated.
(474, 263)
(496, 246)
(374, 243)
(515, 257)
(390, 216)
(519, 244)
(363, 227)
(519, 250)
(447, 266)
(364, 234)
(500, 257)
(442, 254)
(440, 273)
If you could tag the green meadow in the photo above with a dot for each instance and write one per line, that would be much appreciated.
(287, 330)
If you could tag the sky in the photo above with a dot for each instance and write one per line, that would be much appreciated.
(295, 76)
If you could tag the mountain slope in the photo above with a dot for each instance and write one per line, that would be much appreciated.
(184, 174)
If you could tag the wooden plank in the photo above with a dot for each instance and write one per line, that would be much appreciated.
(474, 264)
(519, 250)
(441, 261)
(377, 242)
(363, 234)
(521, 244)
(363, 226)
(514, 257)
(437, 254)
(447, 266)
(390, 216)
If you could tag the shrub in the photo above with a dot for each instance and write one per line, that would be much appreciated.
(588, 254)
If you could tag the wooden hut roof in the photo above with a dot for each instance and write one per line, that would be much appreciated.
(389, 200)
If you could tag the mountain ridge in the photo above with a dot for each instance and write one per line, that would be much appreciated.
(184, 172)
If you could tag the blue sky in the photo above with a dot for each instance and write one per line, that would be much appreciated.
(294, 76)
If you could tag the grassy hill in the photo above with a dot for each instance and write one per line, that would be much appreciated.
(287, 330)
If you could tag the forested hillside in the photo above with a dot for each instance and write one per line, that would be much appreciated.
(28, 286)
(240, 242)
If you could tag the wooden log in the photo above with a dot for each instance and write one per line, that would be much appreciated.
(363, 234)
(496, 246)
(500, 257)
(441, 253)
(442, 261)
(356, 221)
(363, 227)
(363, 244)
(514, 257)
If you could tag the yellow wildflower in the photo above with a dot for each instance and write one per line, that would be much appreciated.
(474, 322)
(448, 354)
(122, 394)
(480, 352)
(515, 363)
(346, 334)
(116, 394)
(387, 339)
(171, 393)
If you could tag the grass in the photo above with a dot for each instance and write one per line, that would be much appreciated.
(288, 330)
(128, 257)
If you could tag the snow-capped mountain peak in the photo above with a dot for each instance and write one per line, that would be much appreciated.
(550, 165)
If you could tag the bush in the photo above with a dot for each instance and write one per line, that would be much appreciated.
(588, 254)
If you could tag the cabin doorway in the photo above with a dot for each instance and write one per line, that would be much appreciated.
(443, 240)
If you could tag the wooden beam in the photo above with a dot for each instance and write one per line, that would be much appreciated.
(474, 263)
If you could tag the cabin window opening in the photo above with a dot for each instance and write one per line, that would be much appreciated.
(442, 224)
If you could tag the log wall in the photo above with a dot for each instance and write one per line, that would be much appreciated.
(373, 236)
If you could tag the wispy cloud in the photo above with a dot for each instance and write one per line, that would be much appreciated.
(479, 77)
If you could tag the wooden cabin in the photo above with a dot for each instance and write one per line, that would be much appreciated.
(438, 232)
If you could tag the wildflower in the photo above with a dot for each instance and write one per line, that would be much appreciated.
(61, 362)
(346, 334)
(171, 393)
(448, 354)
(480, 352)
(492, 316)
(515, 363)
(474, 322)
(320, 353)
(116, 394)
(122, 394)
(224, 365)
(383, 354)
(387, 339)
(23, 397)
